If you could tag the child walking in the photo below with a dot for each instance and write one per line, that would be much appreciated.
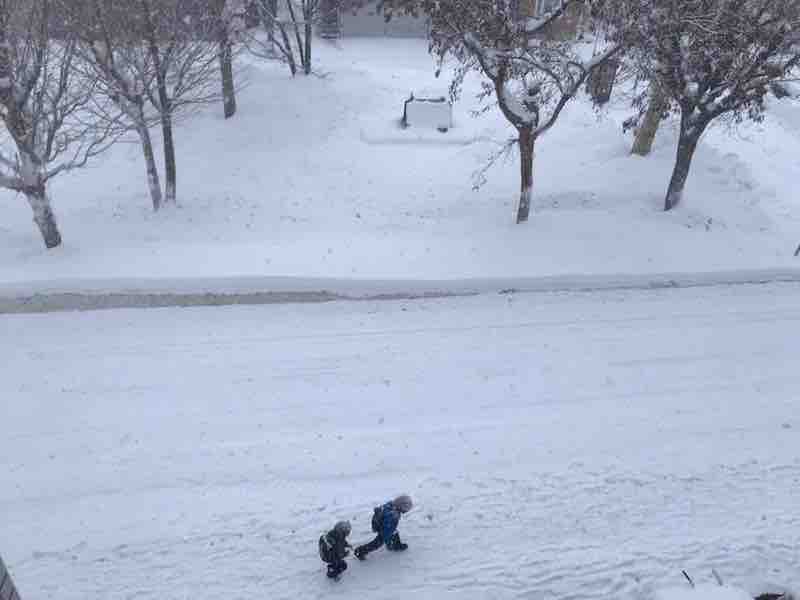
(333, 549)
(385, 520)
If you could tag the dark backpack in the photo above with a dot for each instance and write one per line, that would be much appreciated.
(325, 549)
(377, 520)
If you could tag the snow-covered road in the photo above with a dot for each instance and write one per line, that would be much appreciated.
(562, 446)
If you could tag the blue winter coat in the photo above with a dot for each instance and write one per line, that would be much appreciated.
(390, 521)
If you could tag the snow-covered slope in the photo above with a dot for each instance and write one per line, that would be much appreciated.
(314, 179)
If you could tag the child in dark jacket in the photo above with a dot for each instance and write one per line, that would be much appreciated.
(384, 524)
(333, 548)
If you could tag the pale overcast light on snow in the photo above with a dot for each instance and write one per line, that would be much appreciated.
(578, 444)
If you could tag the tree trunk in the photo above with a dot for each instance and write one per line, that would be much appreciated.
(309, 32)
(165, 113)
(43, 215)
(526, 144)
(226, 68)
(646, 133)
(170, 164)
(289, 52)
(224, 23)
(153, 182)
(18, 122)
(687, 144)
(298, 37)
(269, 10)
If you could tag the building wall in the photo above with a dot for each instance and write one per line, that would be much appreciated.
(358, 20)
(369, 21)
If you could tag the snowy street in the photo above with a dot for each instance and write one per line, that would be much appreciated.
(570, 446)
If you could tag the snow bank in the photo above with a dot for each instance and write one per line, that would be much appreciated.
(53, 295)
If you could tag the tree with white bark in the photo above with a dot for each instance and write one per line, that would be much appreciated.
(712, 59)
(531, 75)
(46, 106)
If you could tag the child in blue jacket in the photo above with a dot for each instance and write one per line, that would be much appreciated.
(384, 523)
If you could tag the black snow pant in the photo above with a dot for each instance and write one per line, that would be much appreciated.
(394, 544)
(336, 568)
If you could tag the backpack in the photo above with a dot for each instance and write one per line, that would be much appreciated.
(377, 520)
(325, 549)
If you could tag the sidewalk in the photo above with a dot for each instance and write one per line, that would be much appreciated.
(88, 294)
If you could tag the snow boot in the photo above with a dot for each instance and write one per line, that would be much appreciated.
(335, 571)
(395, 545)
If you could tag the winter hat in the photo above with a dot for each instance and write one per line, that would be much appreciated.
(343, 528)
(403, 503)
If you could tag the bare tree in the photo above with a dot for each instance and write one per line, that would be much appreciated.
(288, 27)
(157, 61)
(184, 65)
(531, 75)
(228, 26)
(46, 107)
(712, 58)
(109, 56)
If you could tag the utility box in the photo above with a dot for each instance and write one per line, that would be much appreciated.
(428, 112)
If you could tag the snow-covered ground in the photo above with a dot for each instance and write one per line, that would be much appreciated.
(573, 446)
(313, 178)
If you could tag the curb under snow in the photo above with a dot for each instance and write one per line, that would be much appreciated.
(65, 295)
